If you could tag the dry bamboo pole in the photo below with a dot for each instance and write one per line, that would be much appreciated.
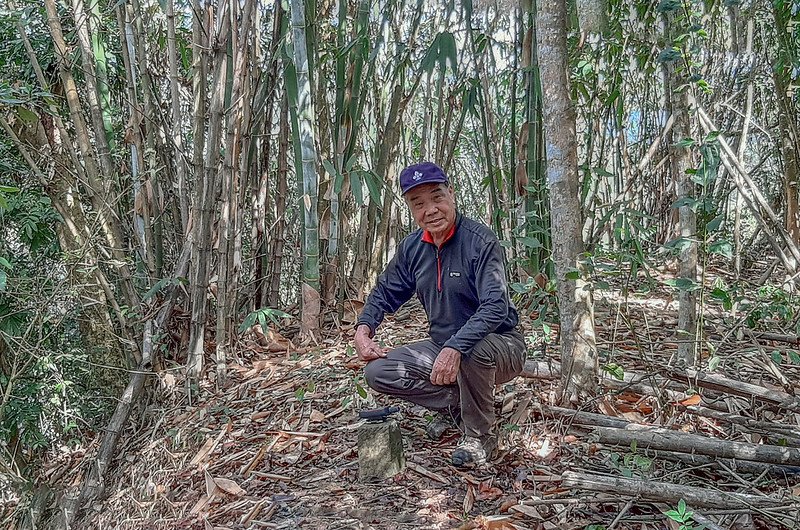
(755, 199)
(737, 223)
(182, 169)
(204, 200)
(146, 179)
(226, 280)
(666, 491)
(660, 439)
(278, 233)
(727, 385)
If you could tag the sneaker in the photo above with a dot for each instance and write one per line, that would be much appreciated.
(439, 423)
(474, 451)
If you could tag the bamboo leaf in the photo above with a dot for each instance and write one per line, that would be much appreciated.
(723, 248)
(355, 187)
(447, 52)
(373, 185)
(26, 115)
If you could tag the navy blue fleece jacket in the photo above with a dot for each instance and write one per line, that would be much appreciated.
(462, 285)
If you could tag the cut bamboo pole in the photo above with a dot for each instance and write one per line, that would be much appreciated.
(666, 440)
(578, 417)
(731, 386)
(767, 427)
(665, 491)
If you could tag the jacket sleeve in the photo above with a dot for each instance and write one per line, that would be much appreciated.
(394, 288)
(490, 284)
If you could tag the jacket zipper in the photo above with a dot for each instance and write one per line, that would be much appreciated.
(438, 270)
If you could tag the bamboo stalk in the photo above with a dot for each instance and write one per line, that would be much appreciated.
(665, 491)
(310, 288)
(657, 438)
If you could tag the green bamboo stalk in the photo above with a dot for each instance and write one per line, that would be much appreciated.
(101, 69)
(304, 133)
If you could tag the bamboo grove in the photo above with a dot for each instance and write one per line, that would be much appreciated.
(175, 172)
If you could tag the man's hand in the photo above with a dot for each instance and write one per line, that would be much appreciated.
(446, 366)
(366, 348)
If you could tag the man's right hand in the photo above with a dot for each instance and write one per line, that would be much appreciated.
(366, 348)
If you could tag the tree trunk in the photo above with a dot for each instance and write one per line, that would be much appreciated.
(578, 353)
(310, 288)
(74, 235)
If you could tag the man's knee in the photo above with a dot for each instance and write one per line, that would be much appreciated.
(373, 372)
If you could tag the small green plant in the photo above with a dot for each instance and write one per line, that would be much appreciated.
(261, 316)
(631, 464)
(300, 392)
(683, 517)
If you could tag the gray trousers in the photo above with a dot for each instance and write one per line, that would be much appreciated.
(405, 373)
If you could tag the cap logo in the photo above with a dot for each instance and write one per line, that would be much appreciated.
(417, 175)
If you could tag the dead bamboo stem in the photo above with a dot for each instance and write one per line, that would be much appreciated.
(665, 491)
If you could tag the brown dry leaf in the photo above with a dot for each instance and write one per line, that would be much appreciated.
(413, 466)
(201, 454)
(691, 400)
(796, 491)
(316, 416)
(211, 485)
(469, 499)
(498, 522)
(630, 397)
(229, 486)
(606, 408)
(200, 505)
(633, 417)
(354, 364)
(530, 511)
(487, 492)
(508, 503)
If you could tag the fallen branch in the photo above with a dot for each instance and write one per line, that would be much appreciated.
(721, 383)
(743, 466)
(666, 440)
(777, 337)
(760, 427)
(665, 491)
(578, 417)
(94, 481)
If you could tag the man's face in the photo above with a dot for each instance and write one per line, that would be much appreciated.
(433, 207)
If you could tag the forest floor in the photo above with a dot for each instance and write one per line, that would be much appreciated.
(277, 446)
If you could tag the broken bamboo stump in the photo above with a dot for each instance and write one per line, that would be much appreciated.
(666, 491)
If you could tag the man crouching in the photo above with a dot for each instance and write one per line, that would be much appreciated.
(455, 266)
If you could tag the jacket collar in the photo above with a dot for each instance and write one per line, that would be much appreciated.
(428, 238)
